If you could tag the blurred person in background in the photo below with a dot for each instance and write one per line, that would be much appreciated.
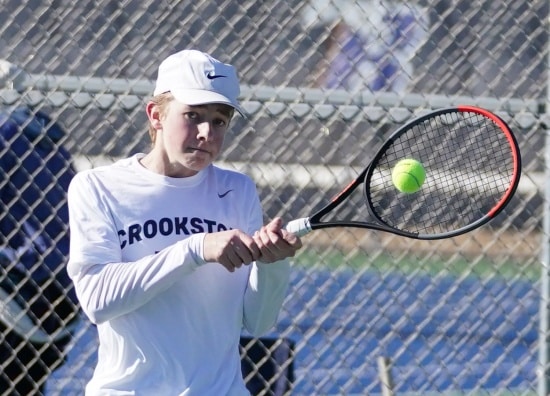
(38, 306)
(370, 43)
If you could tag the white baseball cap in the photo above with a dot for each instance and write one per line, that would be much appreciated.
(195, 78)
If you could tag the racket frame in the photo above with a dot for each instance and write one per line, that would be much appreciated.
(314, 221)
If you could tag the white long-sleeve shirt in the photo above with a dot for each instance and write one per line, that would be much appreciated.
(168, 323)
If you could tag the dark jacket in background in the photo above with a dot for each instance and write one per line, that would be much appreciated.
(35, 172)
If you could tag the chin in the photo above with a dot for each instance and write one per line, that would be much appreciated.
(197, 166)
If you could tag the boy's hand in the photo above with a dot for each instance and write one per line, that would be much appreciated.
(275, 243)
(231, 249)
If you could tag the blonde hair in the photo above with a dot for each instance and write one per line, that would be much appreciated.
(161, 101)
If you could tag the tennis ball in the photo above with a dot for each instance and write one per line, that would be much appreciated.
(408, 175)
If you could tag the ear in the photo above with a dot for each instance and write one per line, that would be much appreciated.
(154, 115)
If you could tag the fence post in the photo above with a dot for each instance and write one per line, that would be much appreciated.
(386, 380)
(544, 326)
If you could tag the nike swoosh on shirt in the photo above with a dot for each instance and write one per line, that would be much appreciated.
(224, 194)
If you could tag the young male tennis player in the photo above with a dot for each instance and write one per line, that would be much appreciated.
(168, 253)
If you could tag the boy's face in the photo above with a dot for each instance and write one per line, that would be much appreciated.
(191, 137)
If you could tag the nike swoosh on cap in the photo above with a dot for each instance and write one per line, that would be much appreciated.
(210, 75)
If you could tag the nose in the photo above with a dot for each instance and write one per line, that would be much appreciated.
(205, 131)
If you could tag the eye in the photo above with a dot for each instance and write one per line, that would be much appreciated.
(219, 122)
(192, 115)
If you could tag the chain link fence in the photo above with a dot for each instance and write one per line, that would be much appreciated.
(324, 83)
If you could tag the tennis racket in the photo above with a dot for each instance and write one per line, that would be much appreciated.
(473, 166)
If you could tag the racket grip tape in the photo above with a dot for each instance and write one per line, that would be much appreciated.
(299, 227)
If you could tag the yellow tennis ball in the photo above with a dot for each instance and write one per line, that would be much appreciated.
(408, 175)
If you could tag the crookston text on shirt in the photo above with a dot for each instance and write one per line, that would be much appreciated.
(135, 233)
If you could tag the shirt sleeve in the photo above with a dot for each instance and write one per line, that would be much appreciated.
(267, 285)
(265, 294)
(106, 286)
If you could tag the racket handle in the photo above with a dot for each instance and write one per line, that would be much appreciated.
(299, 227)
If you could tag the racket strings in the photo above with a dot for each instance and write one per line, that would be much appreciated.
(469, 167)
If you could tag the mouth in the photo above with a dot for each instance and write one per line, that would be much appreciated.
(198, 150)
